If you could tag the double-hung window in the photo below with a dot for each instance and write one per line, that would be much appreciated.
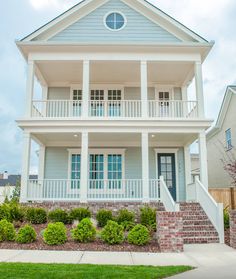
(228, 139)
(75, 171)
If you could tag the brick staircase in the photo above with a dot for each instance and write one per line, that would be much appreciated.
(197, 226)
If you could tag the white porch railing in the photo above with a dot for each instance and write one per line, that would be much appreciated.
(97, 190)
(165, 196)
(198, 193)
(57, 108)
(173, 109)
(113, 109)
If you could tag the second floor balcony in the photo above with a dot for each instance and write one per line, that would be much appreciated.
(131, 109)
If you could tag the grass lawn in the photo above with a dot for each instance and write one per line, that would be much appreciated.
(58, 271)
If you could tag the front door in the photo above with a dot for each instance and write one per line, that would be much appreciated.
(166, 168)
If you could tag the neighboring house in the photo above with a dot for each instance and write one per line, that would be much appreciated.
(8, 184)
(221, 141)
(115, 112)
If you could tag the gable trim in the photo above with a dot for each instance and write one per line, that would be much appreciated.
(142, 3)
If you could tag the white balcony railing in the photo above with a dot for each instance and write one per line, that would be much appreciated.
(173, 109)
(97, 190)
(114, 109)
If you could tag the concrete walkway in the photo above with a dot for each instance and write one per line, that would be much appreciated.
(212, 260)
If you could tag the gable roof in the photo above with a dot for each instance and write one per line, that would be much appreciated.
(12, 180)
(230, 91)
(86, 6)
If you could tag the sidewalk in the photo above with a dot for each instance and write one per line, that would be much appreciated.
(211, 260)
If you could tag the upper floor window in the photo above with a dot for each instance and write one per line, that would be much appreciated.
(228, 139)
(115, 21)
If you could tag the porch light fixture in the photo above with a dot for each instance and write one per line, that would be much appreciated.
(153, 136)
(75, 136)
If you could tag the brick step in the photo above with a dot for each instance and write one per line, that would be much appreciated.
(195, 213)
(188, 228)
(200, 234)
(186, 208)
(195, 218)
(201, 240)
(196, 223)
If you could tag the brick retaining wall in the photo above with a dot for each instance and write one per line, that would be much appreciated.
(233, 229)
(170, 231)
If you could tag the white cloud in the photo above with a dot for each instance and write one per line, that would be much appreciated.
(52, 4)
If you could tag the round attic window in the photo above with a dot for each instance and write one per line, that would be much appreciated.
(115, 21)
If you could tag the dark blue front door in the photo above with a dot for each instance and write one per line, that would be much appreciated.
(166, 168)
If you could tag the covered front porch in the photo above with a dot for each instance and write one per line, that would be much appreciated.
(95, 166)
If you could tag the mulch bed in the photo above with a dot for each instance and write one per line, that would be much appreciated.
(71, 245)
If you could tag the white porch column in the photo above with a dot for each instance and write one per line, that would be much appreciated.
(84, 167)
(45, 98)
(25, 166)
(203, 159)
(188, 166)
(199, 89)
(144, 89)
(41, 162)
(184, 90)
(30, 88)
(85, 98)
(145, 167)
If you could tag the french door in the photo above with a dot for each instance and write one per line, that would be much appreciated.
(167, 169)
(164, 103)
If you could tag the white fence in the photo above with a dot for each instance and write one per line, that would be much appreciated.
(198, 193)
(114, 109)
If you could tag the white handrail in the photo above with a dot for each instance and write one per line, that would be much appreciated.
(213, 210)
(169, 204)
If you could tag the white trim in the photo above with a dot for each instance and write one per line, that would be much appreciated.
(171, 151)
(164, 88)
(117, 12)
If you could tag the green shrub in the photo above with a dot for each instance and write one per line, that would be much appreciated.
(17, 213)
(36, 215)
(84, 232)
(5, 212)
(125, 215)
(139, 235)
(59, 215)
(148, 217)
(80, 214)
(127, 225)
(7, 231)
(55, 234)
(112, 233)
(226, 219)
(26, 234)
(103, 216)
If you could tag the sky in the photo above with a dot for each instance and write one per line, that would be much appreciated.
(214, 20)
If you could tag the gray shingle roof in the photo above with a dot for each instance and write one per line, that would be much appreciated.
(12, 179)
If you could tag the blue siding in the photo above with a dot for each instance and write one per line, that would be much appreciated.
(91, 28)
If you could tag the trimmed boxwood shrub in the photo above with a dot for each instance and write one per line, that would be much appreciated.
(125, 215)
(5, 212)
(139, 235)
(7, 231)
(84, 232)
(226, 219)
(17, 212)
(55, 234)
(103, 216)
(36, 215)
(127, 226)
(148, 217)
(112, 233)
(80, 213)
(59, 215)
(26, 234)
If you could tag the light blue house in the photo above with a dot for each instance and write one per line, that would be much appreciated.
(115, 121)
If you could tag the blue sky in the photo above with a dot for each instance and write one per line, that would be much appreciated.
(214, 20)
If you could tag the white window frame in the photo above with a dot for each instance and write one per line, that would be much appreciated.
(111, 12)
(228, 147)
(164, 88)
(171, 151)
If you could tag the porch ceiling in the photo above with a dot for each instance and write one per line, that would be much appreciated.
(115, 139)
(116, 72)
